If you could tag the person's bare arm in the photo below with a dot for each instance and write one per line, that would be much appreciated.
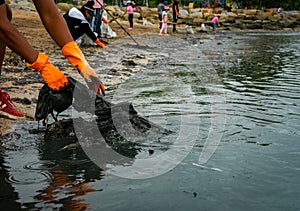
(58, 29)
(11, 37)
(53, 21)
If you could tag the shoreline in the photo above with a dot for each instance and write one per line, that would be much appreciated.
(23, 84)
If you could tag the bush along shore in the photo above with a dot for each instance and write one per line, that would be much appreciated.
(236, 19)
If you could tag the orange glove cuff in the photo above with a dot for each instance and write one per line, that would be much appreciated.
(41, 60)
(51, 75)
(74, 55)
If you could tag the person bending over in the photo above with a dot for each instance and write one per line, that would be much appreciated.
(57, 28)
(78, 22)
(215, 22)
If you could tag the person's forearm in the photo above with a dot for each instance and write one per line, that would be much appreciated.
(89, 32)
(53, 21)
(14, 39)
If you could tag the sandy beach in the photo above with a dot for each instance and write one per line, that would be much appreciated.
(23, 84)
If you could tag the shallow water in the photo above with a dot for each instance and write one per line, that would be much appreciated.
(233, 102)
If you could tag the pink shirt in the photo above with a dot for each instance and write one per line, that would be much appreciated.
(215, 20)
(96, 4)
(130, 9)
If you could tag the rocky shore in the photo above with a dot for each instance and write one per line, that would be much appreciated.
(235, 19)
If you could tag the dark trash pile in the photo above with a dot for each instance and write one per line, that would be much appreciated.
(119, 124)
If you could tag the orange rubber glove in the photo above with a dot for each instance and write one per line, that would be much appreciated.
(74, 55)
(54, 78)
(99, 43)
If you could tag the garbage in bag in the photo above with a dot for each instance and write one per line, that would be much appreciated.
(108, 115)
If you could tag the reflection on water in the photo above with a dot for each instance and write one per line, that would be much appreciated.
(45, 176)
(256, 165)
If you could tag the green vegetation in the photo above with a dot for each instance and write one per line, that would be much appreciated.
(64, 1)
(261, 4)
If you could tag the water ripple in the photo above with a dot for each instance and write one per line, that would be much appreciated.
(29, 177)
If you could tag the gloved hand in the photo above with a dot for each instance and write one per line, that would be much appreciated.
(99, 43)
(77, 59)
(54, 78)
